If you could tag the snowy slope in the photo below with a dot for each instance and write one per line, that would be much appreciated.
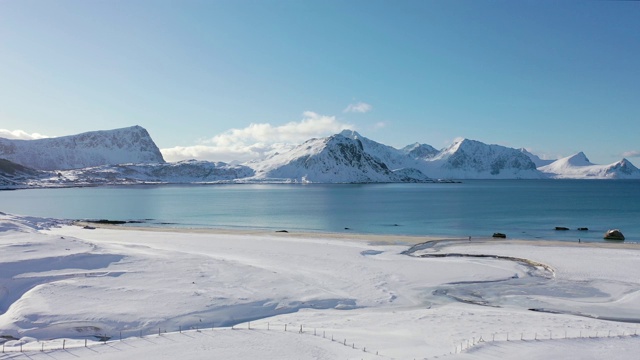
(536, 159)
(12, 174)
(188, 171)
(342, 297)
(119, 146)
(470, 159)
(578, 166)
(182, 172)
(420, 151)
(335, 159)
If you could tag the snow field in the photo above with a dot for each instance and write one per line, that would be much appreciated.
(71, 284)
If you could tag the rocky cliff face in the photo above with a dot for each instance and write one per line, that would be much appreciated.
(96, 148)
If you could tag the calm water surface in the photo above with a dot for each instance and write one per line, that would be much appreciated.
(527, 209)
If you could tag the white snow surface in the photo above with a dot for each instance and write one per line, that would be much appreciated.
(95, 148)
(578, 166)
(183, 290)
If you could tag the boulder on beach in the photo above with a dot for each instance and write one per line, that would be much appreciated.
(499, 235)
(614, 234)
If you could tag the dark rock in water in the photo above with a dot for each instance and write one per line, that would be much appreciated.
(347, 228)
(613, 234)
(109, 222)
(282, 231)
(499, 235)
(562, 228)
(583, 229)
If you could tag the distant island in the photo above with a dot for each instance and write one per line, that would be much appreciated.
(130, 156)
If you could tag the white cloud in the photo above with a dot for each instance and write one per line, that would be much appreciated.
(379, 125)
(257, 140)
(633, 153)
(360, 107)
(20, 135)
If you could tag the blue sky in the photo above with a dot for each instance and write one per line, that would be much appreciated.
(223, 80)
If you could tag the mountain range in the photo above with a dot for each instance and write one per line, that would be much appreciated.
(130, 156)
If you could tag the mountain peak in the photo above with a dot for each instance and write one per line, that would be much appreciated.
(579, 159)
(351, 134)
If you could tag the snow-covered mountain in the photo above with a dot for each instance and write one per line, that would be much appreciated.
(578, 166)
(129, 156)
(335, 159)
(95, 148)
(470, 159)
(394, 159)
(535, 158)
(183, 172)
(12, 174)
(420, 151)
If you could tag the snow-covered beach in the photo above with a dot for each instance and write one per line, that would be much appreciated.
(167, 293)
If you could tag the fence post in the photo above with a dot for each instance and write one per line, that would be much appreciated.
(85, 342)
(42, 349)
(267, 326)
(180, 329)
(63, 345)
(300, 329)
(120, 335)
(249, 325)
(285, 327)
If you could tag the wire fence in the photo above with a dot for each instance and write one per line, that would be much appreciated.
(24, 346)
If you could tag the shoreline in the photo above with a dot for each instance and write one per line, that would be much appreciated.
(371, 238)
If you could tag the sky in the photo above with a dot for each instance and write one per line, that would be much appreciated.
(229, 80)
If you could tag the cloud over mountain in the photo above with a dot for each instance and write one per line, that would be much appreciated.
(20, 135)
(258, 139)
(633, 153)
(359, 107)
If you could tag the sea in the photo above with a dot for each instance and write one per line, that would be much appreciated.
(523, 209)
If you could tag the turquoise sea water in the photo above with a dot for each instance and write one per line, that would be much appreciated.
(528, 209)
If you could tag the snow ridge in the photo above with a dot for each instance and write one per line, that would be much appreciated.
(578, 166)
(471, 159)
